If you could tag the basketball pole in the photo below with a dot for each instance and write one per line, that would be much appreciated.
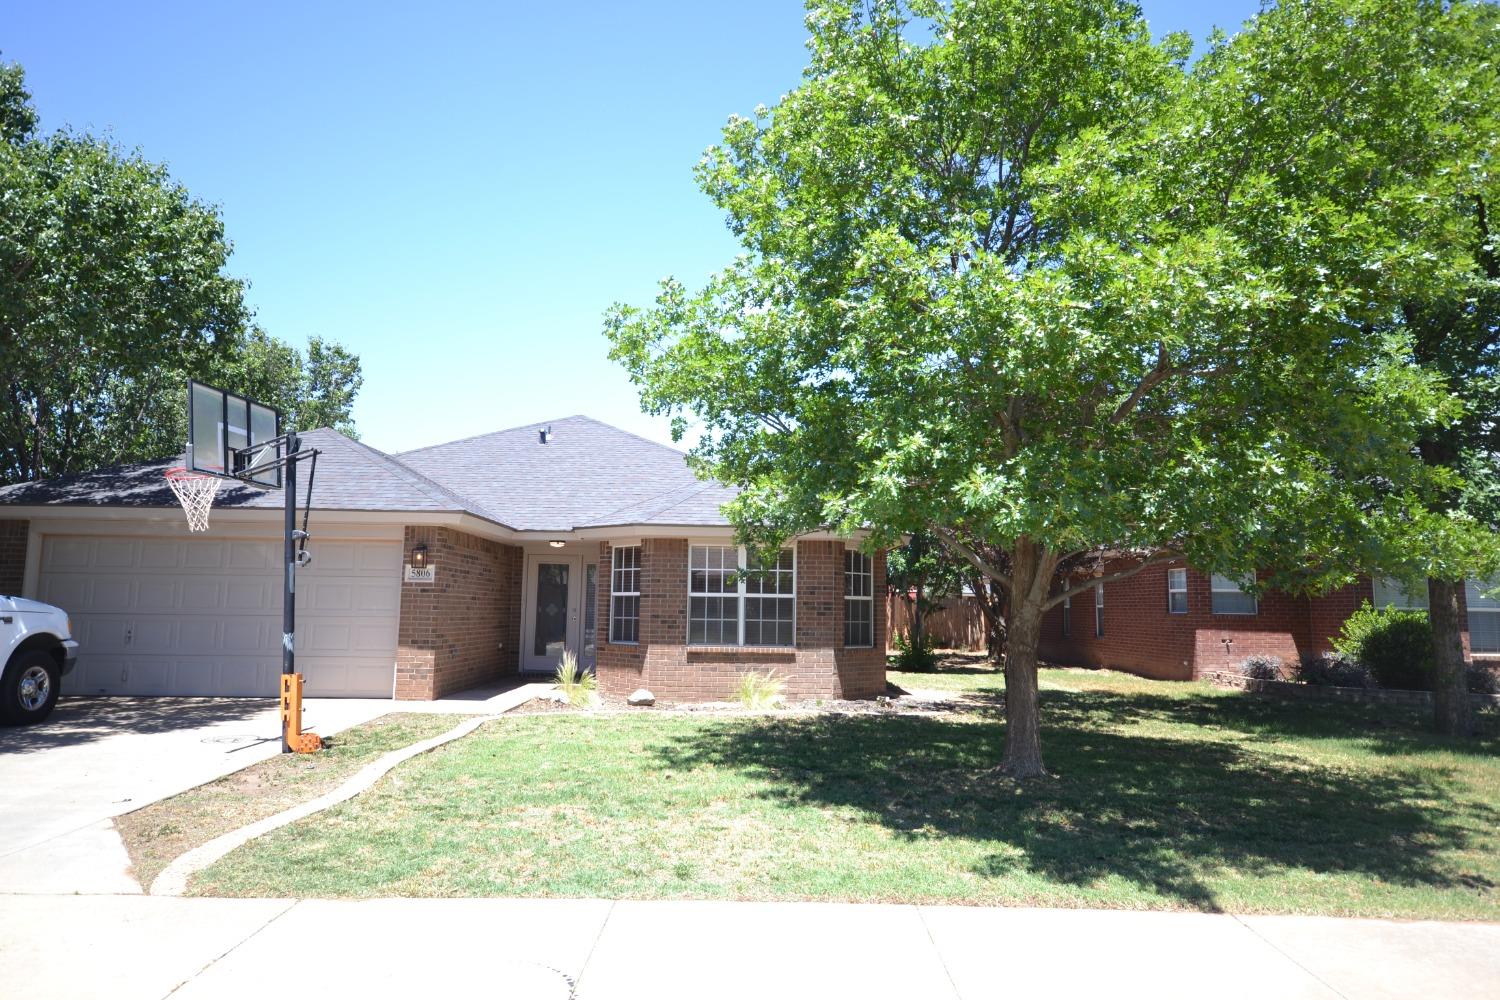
(289, 594)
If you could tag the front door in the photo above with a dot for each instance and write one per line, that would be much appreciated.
(551, 611)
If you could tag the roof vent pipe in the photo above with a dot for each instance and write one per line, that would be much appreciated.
(544, 435)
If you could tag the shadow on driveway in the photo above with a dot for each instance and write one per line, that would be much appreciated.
(82, 720)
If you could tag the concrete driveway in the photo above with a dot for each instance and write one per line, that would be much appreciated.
(63, 781)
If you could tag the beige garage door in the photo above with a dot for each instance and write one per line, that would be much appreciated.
(202, 616)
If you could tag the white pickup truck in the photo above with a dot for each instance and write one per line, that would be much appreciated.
(37, 649)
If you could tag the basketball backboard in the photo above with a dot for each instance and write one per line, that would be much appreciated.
(229, 433)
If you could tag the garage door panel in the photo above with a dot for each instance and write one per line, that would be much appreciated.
(161, 554)
(202, 616)
(252, 595)
(152, 594)
(203, 554)
(335, 557)
(206, 594)
(63, 553)
(335, 597)
(116, 554)
(253, 555)
(380, 559)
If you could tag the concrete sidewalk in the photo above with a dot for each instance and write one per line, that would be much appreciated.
(144, 947)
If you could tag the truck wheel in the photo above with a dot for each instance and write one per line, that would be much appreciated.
(28, 692)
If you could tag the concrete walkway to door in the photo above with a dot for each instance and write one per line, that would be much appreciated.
(62, 782)
(145, 948)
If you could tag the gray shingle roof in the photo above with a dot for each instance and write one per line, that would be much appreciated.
(350, 476)
(588, 474)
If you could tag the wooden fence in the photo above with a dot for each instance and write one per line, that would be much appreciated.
(957, 624)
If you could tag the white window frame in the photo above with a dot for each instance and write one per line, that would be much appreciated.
(865, 571)
(1396, 596)
(740, 594)
(1177, 575)
(1098, 611)
(1220, 584)
(621, 574)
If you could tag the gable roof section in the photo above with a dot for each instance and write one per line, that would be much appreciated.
(350, 476)
(588, 474)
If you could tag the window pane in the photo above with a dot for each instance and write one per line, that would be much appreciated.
(1177, 602)
(859, 628)
(1233, 602)
(1391, 594)
(1484, 631)
(713, 620)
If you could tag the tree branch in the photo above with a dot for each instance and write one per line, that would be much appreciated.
(1124, 574)
(950, 540)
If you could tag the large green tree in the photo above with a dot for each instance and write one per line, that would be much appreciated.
(1015, 274)
(1455, 329)
(113, 291)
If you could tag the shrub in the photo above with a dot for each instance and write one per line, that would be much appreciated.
(1395, 645)
(1333, 671)
(757, 690)
(1263, 668)
(916, 657)
(1483, 680)
(577, 685)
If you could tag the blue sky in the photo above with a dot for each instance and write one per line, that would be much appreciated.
(454, 191)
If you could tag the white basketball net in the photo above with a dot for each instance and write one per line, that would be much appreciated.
(196, 493)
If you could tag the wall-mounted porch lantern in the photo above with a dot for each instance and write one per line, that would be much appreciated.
(419, 555)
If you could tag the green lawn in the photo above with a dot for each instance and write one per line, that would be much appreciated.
(1163, 796)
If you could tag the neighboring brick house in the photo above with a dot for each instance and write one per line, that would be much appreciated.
(1173, 622)
(572, 535)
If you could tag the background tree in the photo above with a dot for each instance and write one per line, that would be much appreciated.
(1015, 276)
(113, 291)
(922, 573)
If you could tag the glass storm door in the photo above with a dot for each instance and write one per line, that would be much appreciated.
(552, 584)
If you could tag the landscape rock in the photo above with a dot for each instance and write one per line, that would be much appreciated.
(640, 696)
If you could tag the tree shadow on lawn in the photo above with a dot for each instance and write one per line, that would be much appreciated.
(1167, 815)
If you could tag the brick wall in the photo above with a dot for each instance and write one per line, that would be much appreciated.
(13, 534)
(464, 628)
(818, 667)
(1142, 637)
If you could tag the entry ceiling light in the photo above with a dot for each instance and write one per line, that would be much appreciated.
(557, 543)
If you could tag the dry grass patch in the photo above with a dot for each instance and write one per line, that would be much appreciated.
(158, 833)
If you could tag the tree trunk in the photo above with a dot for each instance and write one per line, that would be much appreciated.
(917, 614)
(1031, 578)
(1452, 713)
(1023, 736)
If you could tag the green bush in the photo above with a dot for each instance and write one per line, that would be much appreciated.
(917, 657)
(1396, 646)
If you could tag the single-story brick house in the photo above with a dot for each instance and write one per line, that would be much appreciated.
(1174, 622)
(572, 535)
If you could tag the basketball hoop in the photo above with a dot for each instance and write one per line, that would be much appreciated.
(196, 491)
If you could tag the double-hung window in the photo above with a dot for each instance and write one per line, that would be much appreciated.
(625, 595)
(859, 599)
(737, 599)
(1230, 597)
(1099, 610)
(1393, 594)
(1483, 598)
(1177, 591)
